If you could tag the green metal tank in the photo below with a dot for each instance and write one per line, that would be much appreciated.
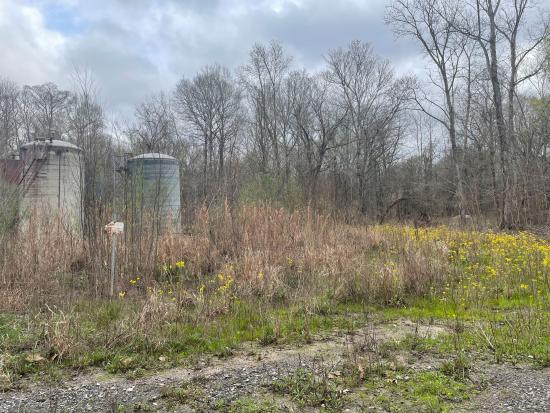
(155, 189)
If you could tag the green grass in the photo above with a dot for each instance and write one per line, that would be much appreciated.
(425, 391)
(515, 338)
(103, 336)
(10, 331)
(427, 308)
(513, 329)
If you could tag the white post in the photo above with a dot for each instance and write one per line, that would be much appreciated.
(113, 263)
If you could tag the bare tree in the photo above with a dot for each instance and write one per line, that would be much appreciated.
(264, 80)
(211, 105)
(9, 115)
(430, 22)
(488, 23)
(372, 99)
(337, 138)
(50, 105)
(27, 115)
(87, 129)
(154, 129)
(317, 118)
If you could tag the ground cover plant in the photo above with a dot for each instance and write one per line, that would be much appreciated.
(266, 275)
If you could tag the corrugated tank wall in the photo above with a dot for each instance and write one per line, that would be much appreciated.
(52, 178)
(155, 189)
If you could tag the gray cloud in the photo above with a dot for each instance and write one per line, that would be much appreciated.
(134, 48)
(28, 51)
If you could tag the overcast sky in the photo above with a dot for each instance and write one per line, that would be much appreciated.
(135, 48)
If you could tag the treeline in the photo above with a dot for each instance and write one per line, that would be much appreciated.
(354, 138)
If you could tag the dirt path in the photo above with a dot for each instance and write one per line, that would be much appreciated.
(250, 371)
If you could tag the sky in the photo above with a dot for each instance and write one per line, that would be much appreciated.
(135, 48)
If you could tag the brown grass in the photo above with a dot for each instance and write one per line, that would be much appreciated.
(268, 252)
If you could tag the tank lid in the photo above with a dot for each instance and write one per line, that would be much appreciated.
(153, 156)
(55, 143)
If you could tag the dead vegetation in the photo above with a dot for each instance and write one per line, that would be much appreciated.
(259, 251)
(272, 276)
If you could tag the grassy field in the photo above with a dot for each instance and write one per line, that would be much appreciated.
(273, 277)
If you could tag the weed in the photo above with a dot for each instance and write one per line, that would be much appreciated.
(457, 368)
(187, 393)
(264, 274)
(306, 389)
(424, 391)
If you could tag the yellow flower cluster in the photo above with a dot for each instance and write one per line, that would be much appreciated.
(169, 268)
(482, 265)
(225, 283)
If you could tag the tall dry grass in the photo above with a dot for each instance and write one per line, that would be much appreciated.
(267, 253)
(34, 260)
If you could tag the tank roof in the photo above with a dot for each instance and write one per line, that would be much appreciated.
(55, 143)
(153, 156)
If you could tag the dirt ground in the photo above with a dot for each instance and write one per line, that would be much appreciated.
(249, 372)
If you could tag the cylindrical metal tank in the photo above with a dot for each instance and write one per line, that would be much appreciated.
(155, 189)
(52, 178)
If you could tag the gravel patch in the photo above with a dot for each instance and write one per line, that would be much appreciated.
(513, 389)
(250, 371)
(244, 374)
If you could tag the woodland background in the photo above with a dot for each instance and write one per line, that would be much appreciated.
(353, 139)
